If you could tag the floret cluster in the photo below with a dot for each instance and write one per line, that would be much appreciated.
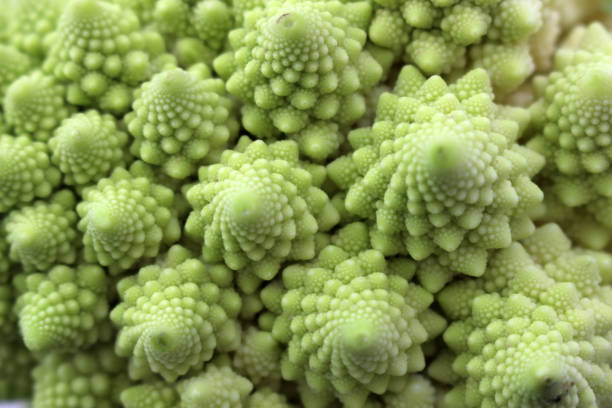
(306, 203)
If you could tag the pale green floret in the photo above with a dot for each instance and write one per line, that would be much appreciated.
(15, 371)
(540, 339)
(143, 9)
(441, 173)
(174, 316)
(93, 378)
(572, 130)
(351, 324)
(87, 147)
(181, 119)
(44, 234)
(25, 172)
(442, 36)
(157, 394)
(296, 62)
(125, 219)
(215, 388)
(65, 309)
(101, 53)
(13, 64)
(32, 24)
(257, 208)
(266, 398)
(258, 357)
(34, 105)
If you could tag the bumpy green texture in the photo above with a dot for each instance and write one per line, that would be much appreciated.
(25, 172)
(34, 105)
(8, 319)
(15, 371)
(65, 309)
(100, 51)
(258, 357)
(124, 219)
(441, 36)
(571, 123)
(537, 335)
(157, 394)
(181, 118)
(415, 392)
(44, 234)
(175, 314)
(142, 8)
(93, 378)
(216, 387)
(207, 20)
(87, 147)
(32, 23)
(296, 62)
(351, 323)
(257, 208)
(12, 65)
(440, 171)
(266, 398)
(5, 264)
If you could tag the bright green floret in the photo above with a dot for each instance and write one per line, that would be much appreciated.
(440, 171)
(125, 219)
(180, 119)
(65, 309)
(32, 25)
(572, 124)
(539, 339)
(258, 208)
(175, 315)
(87, 147)
(93, 378)
(416, 391)
(44, 234)
(25, 172)
(101, 53)
(266, 398)
(296, 62)
(351, 324)
(215, 388)
(34, 105)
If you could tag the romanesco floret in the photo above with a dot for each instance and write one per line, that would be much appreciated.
(101, 53)
(87, 147)
(440, 171)
(216, 387)
(35, 105)
(266, 398)
(124, 219)
(257, 208)
(442, 36)
(181, 118)
(32, 24)
(415, 392)
(92, 379)
(351, 324)
(295, 62)
(207, 20)
(571, 121)
(259, 357)
(65, 309)
(175, 314)
(25, 172)
(541, 338)
(158, 394)
(44, 234)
